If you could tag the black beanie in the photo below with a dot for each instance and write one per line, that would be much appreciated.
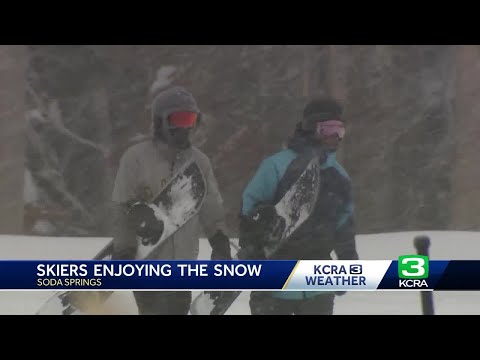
(321, 109)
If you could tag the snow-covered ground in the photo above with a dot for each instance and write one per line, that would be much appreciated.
(448, 245)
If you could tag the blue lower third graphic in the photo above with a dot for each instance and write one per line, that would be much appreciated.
(407, 273)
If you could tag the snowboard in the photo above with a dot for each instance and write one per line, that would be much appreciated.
(291, 212)
(175, 205)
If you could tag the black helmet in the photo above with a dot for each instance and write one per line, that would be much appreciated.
(317, 110)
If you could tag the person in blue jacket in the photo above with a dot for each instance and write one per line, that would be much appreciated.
(331, 226)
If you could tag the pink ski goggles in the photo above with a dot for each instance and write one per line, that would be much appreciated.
(331, 127)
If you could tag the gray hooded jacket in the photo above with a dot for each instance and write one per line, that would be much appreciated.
(150, 165)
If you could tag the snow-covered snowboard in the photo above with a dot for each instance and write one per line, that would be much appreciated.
(292, 210)
(176, 204)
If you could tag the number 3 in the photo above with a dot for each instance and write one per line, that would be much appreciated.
(418, 266)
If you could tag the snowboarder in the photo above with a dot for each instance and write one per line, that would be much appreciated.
(143, 171)
(331, 225)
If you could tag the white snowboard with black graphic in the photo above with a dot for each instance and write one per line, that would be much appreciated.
(292, 210)
(177, 203)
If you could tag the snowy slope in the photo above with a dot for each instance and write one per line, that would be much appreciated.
(445, 246)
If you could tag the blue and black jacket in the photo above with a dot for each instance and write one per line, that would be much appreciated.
(330, 227)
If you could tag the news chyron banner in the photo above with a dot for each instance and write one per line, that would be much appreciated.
(407, 272)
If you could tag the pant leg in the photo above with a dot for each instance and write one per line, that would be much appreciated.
(262, 303)
(322, 304)
(163, 302)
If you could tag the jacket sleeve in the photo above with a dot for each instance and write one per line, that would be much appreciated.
(345, 242)
(124, 238)
(261, 188)
(125, 183)
(212, 213)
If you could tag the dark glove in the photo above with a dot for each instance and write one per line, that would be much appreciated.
(220, 244)
(141, 217)
(255, 230)
(264, 217)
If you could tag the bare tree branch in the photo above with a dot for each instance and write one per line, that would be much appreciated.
(52, 175)
(54, 116)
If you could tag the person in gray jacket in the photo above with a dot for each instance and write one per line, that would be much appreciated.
(144, 169)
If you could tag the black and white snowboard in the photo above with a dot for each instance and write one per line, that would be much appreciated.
(292, 210)
(176, 204)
